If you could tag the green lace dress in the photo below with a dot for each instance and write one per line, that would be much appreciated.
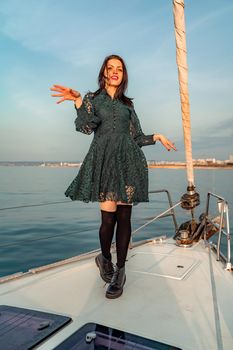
(115, 167)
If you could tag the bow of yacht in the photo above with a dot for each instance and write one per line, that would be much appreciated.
(174, 297)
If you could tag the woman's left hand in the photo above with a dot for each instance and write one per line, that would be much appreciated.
(165, 142)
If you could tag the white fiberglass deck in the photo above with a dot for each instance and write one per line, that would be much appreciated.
(178, 296)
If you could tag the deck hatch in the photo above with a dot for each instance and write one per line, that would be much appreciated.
(22, 329)
(163, 265)
(99, 337)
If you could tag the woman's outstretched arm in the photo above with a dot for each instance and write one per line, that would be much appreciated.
(143, 140)
(136, 131)
(165, 142)
(86, 121)
(67, 94)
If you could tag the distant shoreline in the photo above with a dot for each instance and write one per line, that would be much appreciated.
(171, 166)
(154, 165)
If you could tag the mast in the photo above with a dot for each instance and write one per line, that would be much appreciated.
(191, 199)
(181, 59)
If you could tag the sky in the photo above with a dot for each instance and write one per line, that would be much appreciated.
(50, 42)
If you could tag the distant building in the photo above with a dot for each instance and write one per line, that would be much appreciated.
(211, 160)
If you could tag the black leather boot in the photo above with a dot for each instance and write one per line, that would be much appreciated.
(105, 266)
(115, 288)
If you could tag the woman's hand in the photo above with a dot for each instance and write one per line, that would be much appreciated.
(65, 94)
(165, 142)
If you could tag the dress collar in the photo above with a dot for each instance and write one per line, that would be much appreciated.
(104, 92)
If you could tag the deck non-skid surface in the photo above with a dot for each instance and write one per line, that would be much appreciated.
(168, 297)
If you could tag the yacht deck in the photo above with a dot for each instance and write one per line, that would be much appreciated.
(178, 296)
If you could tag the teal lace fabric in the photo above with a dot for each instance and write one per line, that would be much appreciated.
(115, 167)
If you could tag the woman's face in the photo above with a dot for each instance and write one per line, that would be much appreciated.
(113, 72)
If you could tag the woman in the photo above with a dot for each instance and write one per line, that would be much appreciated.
(114, 171)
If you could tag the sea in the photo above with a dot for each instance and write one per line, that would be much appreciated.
(39, 225)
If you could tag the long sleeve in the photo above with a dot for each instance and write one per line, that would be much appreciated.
(86, 121)
(136, 132)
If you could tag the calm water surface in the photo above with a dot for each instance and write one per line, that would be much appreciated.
(38, 235)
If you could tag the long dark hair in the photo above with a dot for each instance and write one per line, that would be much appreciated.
(120, 92)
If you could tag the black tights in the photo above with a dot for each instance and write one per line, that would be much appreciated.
(123, 232)
(106, 232)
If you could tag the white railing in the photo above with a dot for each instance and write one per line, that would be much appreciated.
(223, 222)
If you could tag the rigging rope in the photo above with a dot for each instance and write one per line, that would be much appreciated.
(74, 232)
(25, 241)
(35, 205)
(156, 217)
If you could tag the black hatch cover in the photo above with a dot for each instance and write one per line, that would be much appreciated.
(23, 329)
(94, 336)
